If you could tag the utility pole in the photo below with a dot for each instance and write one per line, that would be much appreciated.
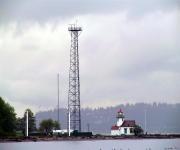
(88, 127)
(69, 129)
(145, 121)
(58, 96)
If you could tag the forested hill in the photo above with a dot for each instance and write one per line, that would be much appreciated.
(161, 117)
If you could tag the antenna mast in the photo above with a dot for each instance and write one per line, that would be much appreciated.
(74, 84)
(58, 96)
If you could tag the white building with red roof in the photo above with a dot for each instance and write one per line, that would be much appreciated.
(123, 127)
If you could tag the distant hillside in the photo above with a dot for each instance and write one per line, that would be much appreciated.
(161, 117)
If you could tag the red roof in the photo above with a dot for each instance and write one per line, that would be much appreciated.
(115, 127)
(128, 123)
(120, 111)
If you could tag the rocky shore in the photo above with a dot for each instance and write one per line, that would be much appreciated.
(95, 137)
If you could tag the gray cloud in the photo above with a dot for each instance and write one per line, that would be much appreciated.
(42, 11)
(129, 52)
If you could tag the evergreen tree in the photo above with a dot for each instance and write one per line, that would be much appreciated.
(20, 125)
(21, 122)
(56, 125)
(7, 117)
(137, 130)
(46, 126)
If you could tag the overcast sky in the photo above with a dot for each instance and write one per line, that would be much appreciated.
(129, 52)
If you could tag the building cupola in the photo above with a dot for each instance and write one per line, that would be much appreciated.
(120, 118)
(120, 112)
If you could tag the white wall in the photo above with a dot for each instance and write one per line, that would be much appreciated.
(115, 132)
(121, 131)
(128, 131)
(120, 121)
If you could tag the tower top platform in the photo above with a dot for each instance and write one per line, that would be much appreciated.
(74, 28)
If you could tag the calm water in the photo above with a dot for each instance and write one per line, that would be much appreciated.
(153, 144)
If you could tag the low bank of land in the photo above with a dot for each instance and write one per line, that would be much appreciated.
(82, 138)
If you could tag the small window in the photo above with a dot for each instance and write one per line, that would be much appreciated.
(131, 130)
(125, 130)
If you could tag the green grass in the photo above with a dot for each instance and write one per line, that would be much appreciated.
(18, 135)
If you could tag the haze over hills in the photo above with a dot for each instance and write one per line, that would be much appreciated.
(160, 117)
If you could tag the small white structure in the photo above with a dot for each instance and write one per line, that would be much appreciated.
(124, 127)
(61, 131)
(27, 123)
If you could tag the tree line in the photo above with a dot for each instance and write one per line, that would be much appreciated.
(10, 124)
(160, 117)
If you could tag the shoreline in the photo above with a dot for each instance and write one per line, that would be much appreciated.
(57, 139)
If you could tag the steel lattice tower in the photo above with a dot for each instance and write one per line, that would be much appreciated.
(74, 84)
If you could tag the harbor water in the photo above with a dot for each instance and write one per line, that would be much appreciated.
(129, 144)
